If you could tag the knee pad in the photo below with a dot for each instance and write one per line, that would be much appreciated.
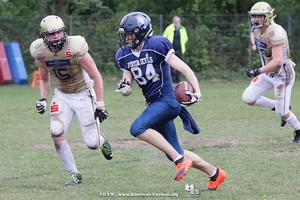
(245, 97)
(93, 139)
(280, 112)
(56, 128)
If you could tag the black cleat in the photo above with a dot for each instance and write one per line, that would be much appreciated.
(283, 122)
(296, 138)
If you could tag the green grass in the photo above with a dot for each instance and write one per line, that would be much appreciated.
(247, 142)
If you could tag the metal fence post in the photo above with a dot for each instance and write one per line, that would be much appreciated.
(289, 25)
(71, 25)
(161, 24)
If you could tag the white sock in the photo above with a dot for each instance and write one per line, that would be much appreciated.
(64, 152)
(265, 102)
(179, 157)
(213, 173)
(293, 121)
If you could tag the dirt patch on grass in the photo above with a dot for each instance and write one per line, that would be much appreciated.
(215, 143)
(51, 146)
(127, 143)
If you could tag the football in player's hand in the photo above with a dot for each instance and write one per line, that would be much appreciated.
(180, 90)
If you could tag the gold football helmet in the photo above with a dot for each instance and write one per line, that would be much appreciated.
(52, 24)
(264, 9)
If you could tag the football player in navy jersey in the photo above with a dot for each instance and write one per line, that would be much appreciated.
(147, 60)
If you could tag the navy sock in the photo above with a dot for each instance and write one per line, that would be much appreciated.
(179, 160)
(214, 177)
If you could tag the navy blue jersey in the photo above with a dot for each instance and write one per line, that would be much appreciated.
(149, 67)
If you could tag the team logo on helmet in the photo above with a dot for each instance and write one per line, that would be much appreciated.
(140, 21)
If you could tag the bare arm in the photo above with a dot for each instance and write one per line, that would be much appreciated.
(252, 40)
(128, 76)
(275, 62)
(44, 80)
(89, 65)
(181, 66)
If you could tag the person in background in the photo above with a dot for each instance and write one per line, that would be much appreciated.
(276, 71)
(177, 35)
(147, 60)
(78, 90)
(252, 39)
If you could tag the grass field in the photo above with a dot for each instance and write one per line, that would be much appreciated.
(247, 142)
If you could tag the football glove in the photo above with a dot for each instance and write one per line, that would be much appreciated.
(101, 114)
(195, 97)
(123, 86)
(253, 72)
(41, 105)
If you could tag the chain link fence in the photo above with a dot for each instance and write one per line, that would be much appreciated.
(216, 42)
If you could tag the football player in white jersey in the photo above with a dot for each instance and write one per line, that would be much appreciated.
(78, 90)
(277, 69)
(147, 60)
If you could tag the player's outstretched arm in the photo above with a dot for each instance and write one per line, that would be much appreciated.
(89, 65)
(181, 66)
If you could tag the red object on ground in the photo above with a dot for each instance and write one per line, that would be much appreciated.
(5, 74)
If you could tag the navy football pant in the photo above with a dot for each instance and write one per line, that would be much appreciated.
(159, 116)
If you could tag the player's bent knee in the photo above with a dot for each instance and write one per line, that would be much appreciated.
(93, 139)
(136, 131)
(56, 128)
(281, 114)
(248, 101)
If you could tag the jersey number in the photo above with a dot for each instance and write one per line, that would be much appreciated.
(150, 74)
(61, 74)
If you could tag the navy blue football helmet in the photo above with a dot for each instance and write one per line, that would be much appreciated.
(138, 23)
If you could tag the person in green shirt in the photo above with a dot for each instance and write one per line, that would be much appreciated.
(177, 35)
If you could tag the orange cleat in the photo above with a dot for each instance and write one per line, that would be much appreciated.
(182, 168)
(213, 185)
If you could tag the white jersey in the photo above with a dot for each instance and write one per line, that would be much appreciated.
(74, 94)
(282, 78)
(273, 36)
(63, 66)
